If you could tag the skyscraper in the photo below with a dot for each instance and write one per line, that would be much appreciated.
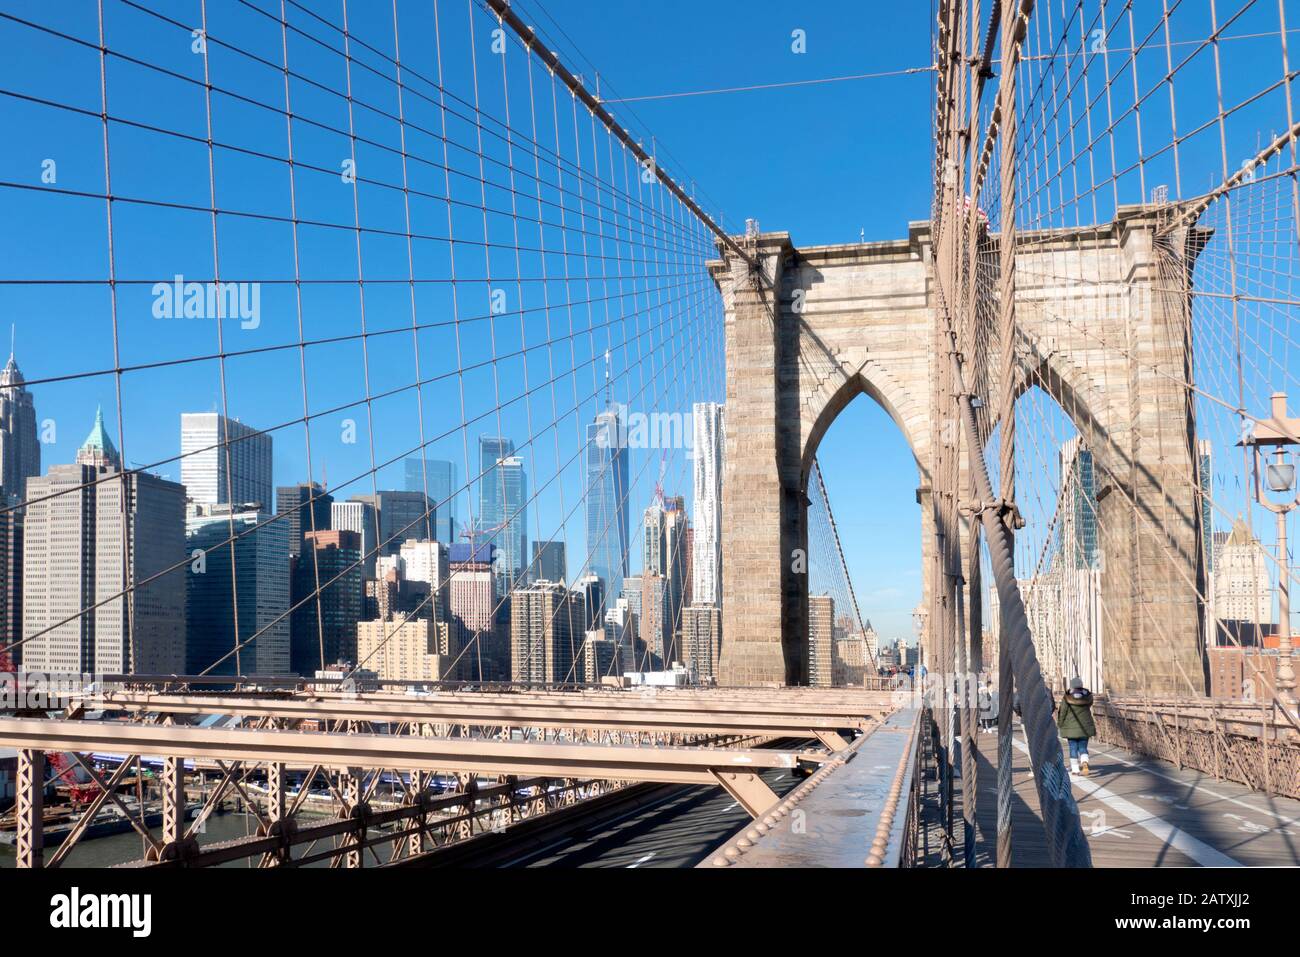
(331, 636)
(20, 459)
(664, 529)
(592, 591)
(1078, 543)
(821, 619)
(632, 594)
(405, 649)
(304, 508)
(709, 445)
(426, 561)
(655, 629)
(621, 628)
(548, 562)
(547, 634)
(676, 560)
(20, 446)
(402, 516)
(441, 489)
(654, 547)
(11, 587)
(393, 594)
(1205, 496)
(600, 658)
(503, 509)
(701, 636)
(430, 562)
(871, 641)
(1205, 472)
(688, 564)
(1242, 584)
(851, 662)
(473, 614)
(223, 461)
(359, 517)
(608, 522)
(260, 589)
(97, 549)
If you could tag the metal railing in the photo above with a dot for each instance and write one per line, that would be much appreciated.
(1252, 744)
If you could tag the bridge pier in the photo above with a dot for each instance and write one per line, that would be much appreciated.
(762, 571)
(813, 328)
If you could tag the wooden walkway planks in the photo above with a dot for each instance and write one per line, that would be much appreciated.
(1143, 813)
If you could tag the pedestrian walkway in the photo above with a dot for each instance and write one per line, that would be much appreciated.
(1139, 812)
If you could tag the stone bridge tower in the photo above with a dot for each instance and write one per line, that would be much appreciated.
(1103, 326)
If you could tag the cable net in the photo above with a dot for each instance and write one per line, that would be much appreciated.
(1115, 226)
(1155, 206)
(374, 345)
(842, 646)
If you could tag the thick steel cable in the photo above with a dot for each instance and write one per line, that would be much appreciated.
(129, 609)
(528, 36)
(1014, 17)
(840, 582)
(1067, 845)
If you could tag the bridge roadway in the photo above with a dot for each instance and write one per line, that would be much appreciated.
(828, 820)
(1140, 812)
(852, 811)
(1137, 812)
(645, 825)
(680, 828)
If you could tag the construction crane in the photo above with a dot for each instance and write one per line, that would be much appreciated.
(659, 482)
(78, 793)
(60, 766)
(473, 531)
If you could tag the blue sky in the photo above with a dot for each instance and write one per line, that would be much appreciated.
(827, 163)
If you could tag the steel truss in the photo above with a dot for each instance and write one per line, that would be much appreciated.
(512, 760)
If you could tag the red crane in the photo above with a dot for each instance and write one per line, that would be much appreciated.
(659, 483)
(63, 769)
(474, 531)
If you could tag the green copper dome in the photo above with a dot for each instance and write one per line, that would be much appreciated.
(97, 443)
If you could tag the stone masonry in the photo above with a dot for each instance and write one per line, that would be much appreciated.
(814, 328)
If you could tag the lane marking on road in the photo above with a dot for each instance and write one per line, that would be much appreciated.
(1164, 799)
(1100, 828)
(1247, 825)
(1179, 840)
(641, 860)
(1110, 753)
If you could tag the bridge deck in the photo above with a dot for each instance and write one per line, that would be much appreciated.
(834, 825)
(1139, 812)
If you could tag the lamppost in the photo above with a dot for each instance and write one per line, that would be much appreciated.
(918, 634)
(1277, 433)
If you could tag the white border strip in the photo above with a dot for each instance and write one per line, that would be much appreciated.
(1179, 840)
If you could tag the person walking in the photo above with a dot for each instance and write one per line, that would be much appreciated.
(1074, 720)
(988, 707)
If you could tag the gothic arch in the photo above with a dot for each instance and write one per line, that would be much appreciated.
(810, 329)
(873, 381)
